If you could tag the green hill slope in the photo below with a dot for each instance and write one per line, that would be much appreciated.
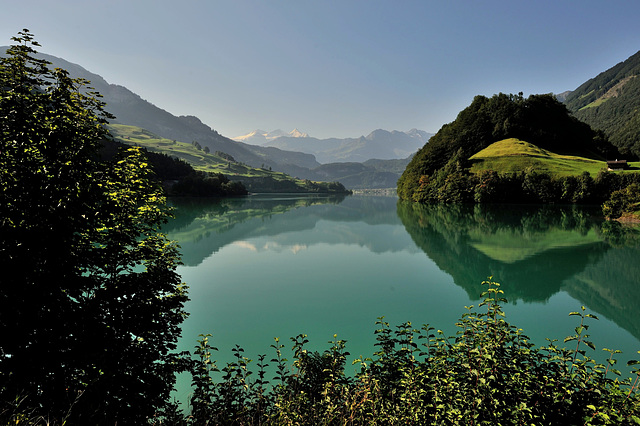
(514, 155)
(254, 179)
(198, 158)
(611, 102)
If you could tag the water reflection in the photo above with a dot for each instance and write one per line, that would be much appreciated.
(535, 252)
(266, 266)
(202, 227)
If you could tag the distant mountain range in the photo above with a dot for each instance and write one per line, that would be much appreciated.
(260, 137)
(379, 144)
(130, 109)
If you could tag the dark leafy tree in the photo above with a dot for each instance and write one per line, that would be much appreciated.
(225, 156)
(90, 302)
(201, 184)
(622, 201)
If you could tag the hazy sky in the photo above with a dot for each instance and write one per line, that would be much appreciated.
(331, 68)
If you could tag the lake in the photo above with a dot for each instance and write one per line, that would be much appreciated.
(270, 266)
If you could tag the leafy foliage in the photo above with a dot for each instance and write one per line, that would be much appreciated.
(489, 373)
(539, 119)
(90, 303)
(272, 184)
(201, 184)
(454, 184)
(622, 201)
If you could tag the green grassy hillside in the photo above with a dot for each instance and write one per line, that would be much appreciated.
(199, 159)
(514, 155)
(255, 179)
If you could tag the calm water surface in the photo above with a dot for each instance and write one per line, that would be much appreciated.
(279, 265)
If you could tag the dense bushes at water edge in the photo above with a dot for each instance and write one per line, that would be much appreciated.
(489, 373)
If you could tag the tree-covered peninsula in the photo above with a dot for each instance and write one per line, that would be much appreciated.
(510, 149)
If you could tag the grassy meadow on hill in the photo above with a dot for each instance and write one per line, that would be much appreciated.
(514, 155)
(201, 159)
(198, 158)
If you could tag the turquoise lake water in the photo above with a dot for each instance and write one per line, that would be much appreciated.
(270, 266)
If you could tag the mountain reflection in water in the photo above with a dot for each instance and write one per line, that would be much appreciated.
(270, 266)
(535, 252)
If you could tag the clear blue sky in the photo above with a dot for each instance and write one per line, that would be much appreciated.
(331, 68)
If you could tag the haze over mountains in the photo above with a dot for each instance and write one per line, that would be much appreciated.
(610, 101)
(379, 144)
(130, 109)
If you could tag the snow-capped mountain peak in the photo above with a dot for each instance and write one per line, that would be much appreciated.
(295, 133)
(259, 137)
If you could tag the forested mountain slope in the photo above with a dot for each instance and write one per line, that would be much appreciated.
(539, 119)
(611, 102)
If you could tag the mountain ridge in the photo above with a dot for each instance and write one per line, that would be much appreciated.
(610, 102)
(130, 109)
(260, 137)
(379, 144)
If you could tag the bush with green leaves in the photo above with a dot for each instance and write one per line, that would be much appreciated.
(488, 373)
(90, 301)
(622, 201)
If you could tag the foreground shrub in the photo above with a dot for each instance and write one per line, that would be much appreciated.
(90, 300)
(489, 373)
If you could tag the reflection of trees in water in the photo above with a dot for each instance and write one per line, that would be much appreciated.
(602, 273)
(204, 226)
(611, 287)
(230, 219)
(229, 211)
(619, 235)
(450, 235)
